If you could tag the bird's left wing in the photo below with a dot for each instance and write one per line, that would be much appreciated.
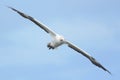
(45, 28)
(93, 60)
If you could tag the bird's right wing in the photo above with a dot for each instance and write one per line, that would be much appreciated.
(45, 28)
(93, 60)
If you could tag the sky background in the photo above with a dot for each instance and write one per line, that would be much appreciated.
(93, 25)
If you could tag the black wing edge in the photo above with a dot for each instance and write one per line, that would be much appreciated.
(30, 18)
(93, 60)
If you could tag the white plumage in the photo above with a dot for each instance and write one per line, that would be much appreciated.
(59, 40)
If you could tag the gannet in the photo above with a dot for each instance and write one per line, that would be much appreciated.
(59, 40)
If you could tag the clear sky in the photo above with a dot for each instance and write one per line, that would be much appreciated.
(93, 25)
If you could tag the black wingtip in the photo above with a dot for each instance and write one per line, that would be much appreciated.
(20, 13)
(105, 69)
(98, 64)
(12, 8)
(108, 72)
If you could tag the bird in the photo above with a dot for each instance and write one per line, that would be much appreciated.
(59, 40)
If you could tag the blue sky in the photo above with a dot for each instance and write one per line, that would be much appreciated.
(93, 25)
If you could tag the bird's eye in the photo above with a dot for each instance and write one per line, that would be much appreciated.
(61, 39)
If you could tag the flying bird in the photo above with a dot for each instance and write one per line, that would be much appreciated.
(59, 40)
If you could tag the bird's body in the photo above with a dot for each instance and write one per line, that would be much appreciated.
(56, 42)
(59, 40)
